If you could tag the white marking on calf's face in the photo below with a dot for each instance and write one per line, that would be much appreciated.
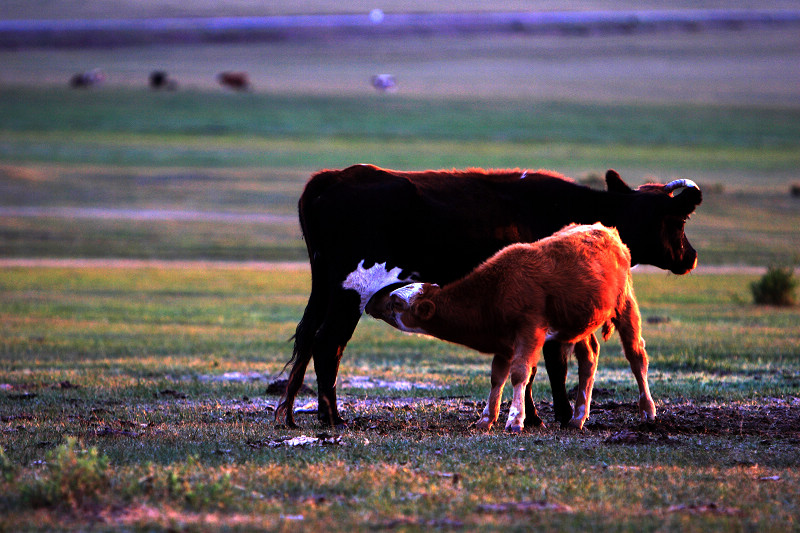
(406, 293)
(367, 281)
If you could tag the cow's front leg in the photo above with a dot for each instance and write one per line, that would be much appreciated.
(501, 365)
(556, 359)
(587, 352)
(526, 355)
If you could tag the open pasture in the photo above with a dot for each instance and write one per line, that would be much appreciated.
(129, 173)
(135, 396)
(164, 371)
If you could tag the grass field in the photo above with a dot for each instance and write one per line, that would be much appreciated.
(128, 149)
(136, 398)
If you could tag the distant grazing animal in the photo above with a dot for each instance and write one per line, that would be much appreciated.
(384, 82)
(563, 287)
(91, 78)
(159, 79)
(441, 225)
(238, 81)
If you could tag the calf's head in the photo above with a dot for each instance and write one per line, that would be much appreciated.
(652, 223)
(407, 308)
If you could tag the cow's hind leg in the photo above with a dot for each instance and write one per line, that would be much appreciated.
(556, 359)
(303, 341)
(337, 328)
(501, 365)
(587, 352)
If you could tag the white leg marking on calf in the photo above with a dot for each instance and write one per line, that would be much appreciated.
(580, 414)
(485, 422)
(516, 414)
(367, 281)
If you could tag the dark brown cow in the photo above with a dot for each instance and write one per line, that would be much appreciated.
(440, 225)
(563, 287)
(238, 81)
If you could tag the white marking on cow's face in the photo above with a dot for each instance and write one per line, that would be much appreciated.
(524, 175)
(366, 282)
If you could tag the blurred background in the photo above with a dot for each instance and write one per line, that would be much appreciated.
(186, 130)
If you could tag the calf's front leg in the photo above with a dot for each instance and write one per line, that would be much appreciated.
(501, 365)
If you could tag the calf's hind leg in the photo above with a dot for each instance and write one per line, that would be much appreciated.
(526, 355)
(629, 327)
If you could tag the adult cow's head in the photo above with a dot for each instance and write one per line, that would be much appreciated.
(652, 223)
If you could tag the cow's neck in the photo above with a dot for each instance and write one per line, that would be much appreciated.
(593, 206)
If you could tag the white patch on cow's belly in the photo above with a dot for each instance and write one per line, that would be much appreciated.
(367, 281)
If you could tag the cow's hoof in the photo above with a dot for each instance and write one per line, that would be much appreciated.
(534, 422)
(337, 422)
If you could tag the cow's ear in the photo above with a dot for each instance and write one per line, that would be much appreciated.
(423, 309)
(615, 183)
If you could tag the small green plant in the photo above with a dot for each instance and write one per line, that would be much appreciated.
(776, 287)
(7, 468)
(75, 479)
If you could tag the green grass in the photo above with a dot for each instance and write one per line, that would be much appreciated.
(199, 151)
(114, 415)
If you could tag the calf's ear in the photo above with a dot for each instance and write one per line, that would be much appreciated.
(423, 309)
(614, 182)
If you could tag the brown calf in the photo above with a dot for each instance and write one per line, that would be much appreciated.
(562, 287)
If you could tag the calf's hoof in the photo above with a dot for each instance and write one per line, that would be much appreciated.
(575, 423)
(647, 409)
(484, 424)
(514, 428)
(648, 417)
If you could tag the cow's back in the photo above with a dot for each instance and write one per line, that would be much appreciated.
(440, 224)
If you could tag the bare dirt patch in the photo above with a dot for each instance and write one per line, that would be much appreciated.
(771, 419)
